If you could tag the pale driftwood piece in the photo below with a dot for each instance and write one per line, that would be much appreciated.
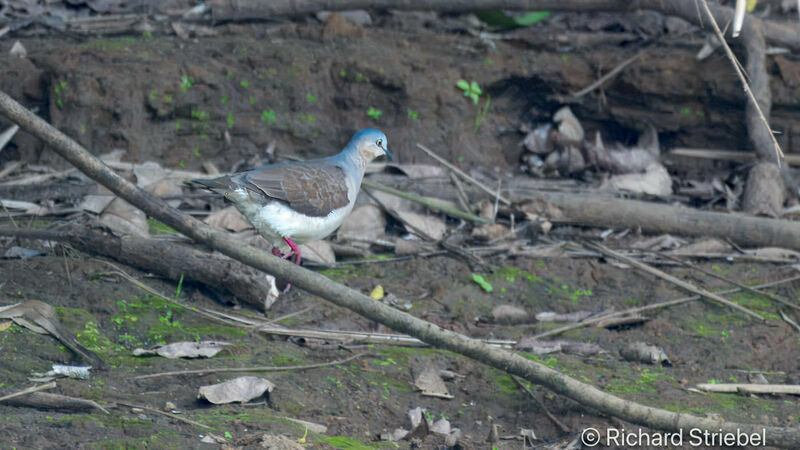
(46, 400)
(671, 279)
(792, 159)
(250, 369)
(595, 211)
(746, 388)
(359, 303)
(167, 259)
(29, 390)
(365, 338)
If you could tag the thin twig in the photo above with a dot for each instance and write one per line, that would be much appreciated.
(639, 309)
(435, 204)
(738, 284)
(669, 278)
(455, 169)
(462, 196)
(29, 390)
(249, 369)
(164, 413)
(119, 272)
(600, 81)
(745, 84)
(558, 423)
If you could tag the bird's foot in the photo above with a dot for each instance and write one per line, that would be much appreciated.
(294, 252)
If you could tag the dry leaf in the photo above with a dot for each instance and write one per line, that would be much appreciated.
(365, 222)
(509, 314)
(242, 389)
(431, 384)
(202, 349)
(228, 219)
(431, 226)
(641, 352)
(124, 218)
(319, 252)
(41, 318)
(654, 181)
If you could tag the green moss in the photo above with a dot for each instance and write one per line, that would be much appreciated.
(353, 444)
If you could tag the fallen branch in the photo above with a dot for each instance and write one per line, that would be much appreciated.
(164, 413)
(432, 203)
(745, 388)
(249, 369)
(792, 159)
(595, 211)
(29, 390)
(671, 279)
(639, 309)
(166, 259)
(738, 284)
(359, 303)
(248, 10)
(46, 400)
(460, 172)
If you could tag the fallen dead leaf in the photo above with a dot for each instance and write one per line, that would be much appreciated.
(654, 181)
(431, 384)
(125, 218)
(187, 349)
(431, 226)
(242, 390)
(646, 353)
(365, 222)
(319, 252)
(228, 219)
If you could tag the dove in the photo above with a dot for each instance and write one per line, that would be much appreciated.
(301, 201)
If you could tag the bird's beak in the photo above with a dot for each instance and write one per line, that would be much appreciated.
(386, 150)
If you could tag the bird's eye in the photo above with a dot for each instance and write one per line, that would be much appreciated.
(379, 142)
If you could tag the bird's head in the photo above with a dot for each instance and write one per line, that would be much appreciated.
(370, 143)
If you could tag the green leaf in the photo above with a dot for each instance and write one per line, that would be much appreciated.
(475, 88)
(532, 18)
(482, 282)
(463, 85)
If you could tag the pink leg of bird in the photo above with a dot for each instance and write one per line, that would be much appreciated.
(295, 251)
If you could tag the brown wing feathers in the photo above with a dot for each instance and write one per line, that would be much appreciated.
(311, 189)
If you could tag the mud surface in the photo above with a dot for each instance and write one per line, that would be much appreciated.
(306, 87)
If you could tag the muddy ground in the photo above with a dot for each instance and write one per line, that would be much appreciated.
(307, 86)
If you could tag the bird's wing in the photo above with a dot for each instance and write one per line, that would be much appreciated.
(313, 188)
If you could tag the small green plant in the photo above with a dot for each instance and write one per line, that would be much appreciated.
(168, 98)
(252, 100)
(412, 114)
(229, 121)
(308, 118)
(471, 90)
(199, 115)
(224, 99)
(180, 286)
(482, 113)
(147, 34)
(58, 90)
(477, 278)
(229, 76)
(196, 152)
(374, 113)
(244, 83)
(186, 83)
(310, 97)
(154, 95)
(268, 116)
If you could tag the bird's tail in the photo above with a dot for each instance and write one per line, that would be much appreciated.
(220, 185)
